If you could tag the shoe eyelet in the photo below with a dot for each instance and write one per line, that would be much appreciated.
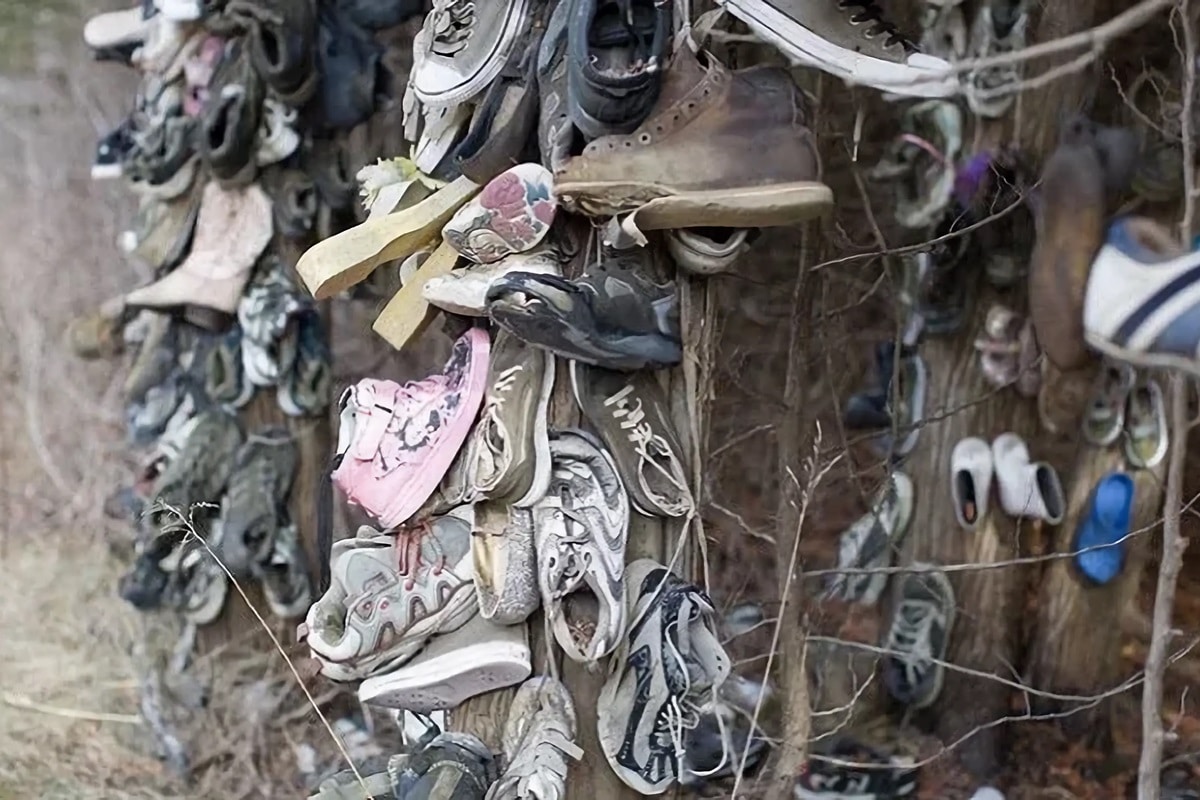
(644, 138)
(628, 143)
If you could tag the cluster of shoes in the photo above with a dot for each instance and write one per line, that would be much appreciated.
(231, 151)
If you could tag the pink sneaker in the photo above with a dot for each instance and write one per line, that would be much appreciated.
(396, 442)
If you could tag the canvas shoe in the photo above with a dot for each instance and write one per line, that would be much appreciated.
(919, 165)
(539, 740)
(463, 46)
(1099, 541)
(918, 637)
(1146, 426)
(971, 469)
(1027, 489)
(676, 170)
(389, 595)
(1104, 419)
(442, 128)
(254, 507)
(850, 39)
(631, 413)
(670, 664)
(502, 545)
(580, 529)
(999, 28)
(1142, 298)
(304, 389)
(464, 291)
(283, 573)
(396, 442)
(870, 542)
(455, 666)
(511, 215)
(877, 776)
(613, 316)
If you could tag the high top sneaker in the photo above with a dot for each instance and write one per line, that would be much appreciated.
(694, 161)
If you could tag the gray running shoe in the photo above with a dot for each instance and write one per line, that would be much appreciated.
(202, 468)
(870, 542)
(224, 379)
(254, 508)
(283, 572)
(539, 740)
(267, 314)
(919, 637)
(305, 389)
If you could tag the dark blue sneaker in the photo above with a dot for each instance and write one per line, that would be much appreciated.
(1106, 523)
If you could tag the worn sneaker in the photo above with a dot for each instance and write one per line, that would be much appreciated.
(918, 637)
(455, 666)
(198, 586)
(229, 127)
(714, 749)
(1141, 297)
(1104, 419)
(670, 664)
(1146, 425)
(304, 389)
(268, 314)
(464, 291)
(919, 165)
(850, 39)
(201, 471)
(112, 149)
(224, 379)
(539, 740)
(462, 47)
(254, 508)
(870, 542)
(452, 766)
(511, 215)
(389, 594)
(630, 411)
(876, 776)
(505, 563)
(396, 442)
(283, 573)
(580, 528)
(613, 316)
(999, 28)
(674, 170)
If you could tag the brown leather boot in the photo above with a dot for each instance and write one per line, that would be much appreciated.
(698, 160)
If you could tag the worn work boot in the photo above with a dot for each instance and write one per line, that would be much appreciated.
(694, 162)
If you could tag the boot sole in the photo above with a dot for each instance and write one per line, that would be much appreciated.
(745, 207)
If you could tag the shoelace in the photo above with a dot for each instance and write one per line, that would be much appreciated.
(539, 768)
(651, 448)
(910, 640)
(410, 544)
(453, 23)
(867, 11)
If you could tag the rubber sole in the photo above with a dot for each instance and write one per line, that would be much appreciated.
(542, 463)
(447, 681)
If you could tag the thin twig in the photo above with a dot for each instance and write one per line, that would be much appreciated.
(27, 704)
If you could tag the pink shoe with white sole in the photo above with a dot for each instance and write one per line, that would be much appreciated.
(477, 658)
(396, 442)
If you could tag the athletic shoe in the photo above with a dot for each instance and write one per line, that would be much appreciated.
(254, 508)
(111, 151)
(999, 28)
(502, 544)
(918, 637)
(267, 315)
(539, 740)
(462, 47)
(512, 214)
(1146, 425)
(451, 766)
(201, 471)
(283, 573)
(882, 776)
(304, 389)
(464, 291)
(1104, 419)
(870, 542)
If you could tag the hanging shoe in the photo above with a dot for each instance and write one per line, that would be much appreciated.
(999, 28)
(906, 407)
(869, 543)
(233, 227)
(463, 291)
(283, 574)
(971, 468)
(918, 637)
(225, 381)
(475, 659)
(580, 529)
(1027, 489)
(943, 30)
(162, 231)
(268, 315)
(111, 29)
(304, 390)
(201, 471)
(539, 740)
(920, 164)
(462, 47)
(112, 149)
(350, 74)
(277, 136)
(632, 416)
(229, 127)
(613, 316)
(999, 347)
(875, 775)
(1099, 540)
(1142, 298)
(1145, 421)
(850, 39)
(456, 766)
(254, 507)
(708, 251)
(511, 215)
(395, 443)
(676, 170)
(1104, 419)
(670, 664)
(198, 588)
(502, 544)
(416, 582)
(294, 196)
(281, 37)
(556, 132)
(715, 748)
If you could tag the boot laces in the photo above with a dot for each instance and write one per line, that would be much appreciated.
(868, 12)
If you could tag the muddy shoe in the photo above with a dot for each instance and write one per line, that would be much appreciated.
(613, 316)
(224, 379)
(200, 472)
(919, 637)
(453, 766)
(539, 740)
(677, 170)
(305, 389)
(162, 231)
(633, 417)
(283, 572)
(1104, 419)
(98, 334)
(255, 505)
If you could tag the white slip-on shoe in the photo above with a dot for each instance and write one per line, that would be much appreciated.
(477, 658)
(463, 46)
(971, 480)
(1142, 303)
(849, 39)
(1027, 489)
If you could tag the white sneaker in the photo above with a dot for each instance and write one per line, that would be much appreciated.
(464, 291)
(580, 528)
(870, 542)
(462, 47)
(849, 39)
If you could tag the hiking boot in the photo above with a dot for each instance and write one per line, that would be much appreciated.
(502, 544)
(452, 766)
(691, 163)
(511, 215)
(616, 52)
(580, 528)
(229, 128)
(1146, 425)
(283, 573)
(671, 664)
(255, 504)
(233, 228)
(389, 594)
(863, 772)
(304, 389)
(1104, 420)
(463, 46)
(920, 164)
(268, 314)
(918, 637)
(850, 39)
(1099, 542)
(478, 658)
(396, 442)
(999, 28)
(539, 740)
(201, 471)
(869, 543)
(508, 448)
(631, 413)
(112, 149)
(464, 291)
(225, 381)
(1142, 299)
(613, 316)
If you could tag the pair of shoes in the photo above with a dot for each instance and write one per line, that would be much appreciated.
(897, 399)
(1027, 489)
(1008, 352)
(918, 637)
(878, 776)
(1129, 404)
(1099, 540)
(869, 543)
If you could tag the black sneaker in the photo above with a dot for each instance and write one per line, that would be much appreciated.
(918, 638)
(229, 124)
(887, 778)
(612, 317)
(111, 152)
(452, 766)
(617, 50)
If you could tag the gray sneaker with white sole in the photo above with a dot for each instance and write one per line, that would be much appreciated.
(870, 542)
(919, 636)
